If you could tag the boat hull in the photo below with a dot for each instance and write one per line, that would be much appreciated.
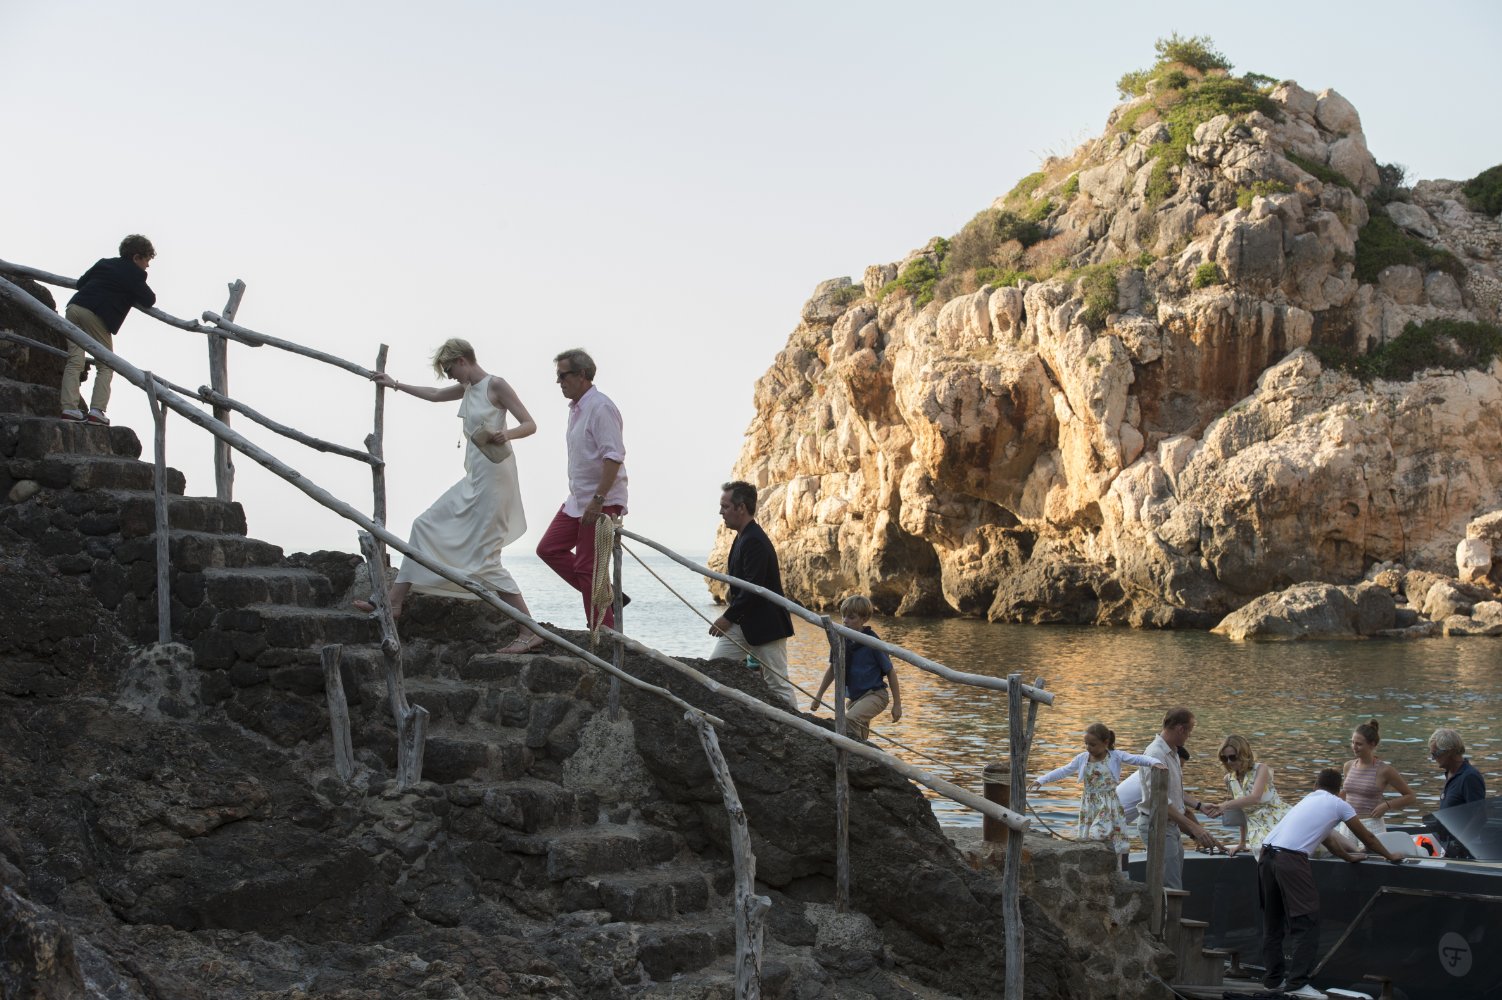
(1433, 927)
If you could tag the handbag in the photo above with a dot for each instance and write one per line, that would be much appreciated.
(495, 452)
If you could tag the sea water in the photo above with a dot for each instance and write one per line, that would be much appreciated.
(1297, 702)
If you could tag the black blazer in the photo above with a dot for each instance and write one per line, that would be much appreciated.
(110, 288)
(753, 559)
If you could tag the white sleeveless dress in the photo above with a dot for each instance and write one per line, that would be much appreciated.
(467, 527)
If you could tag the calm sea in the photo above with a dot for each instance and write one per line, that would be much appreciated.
(1296, 702)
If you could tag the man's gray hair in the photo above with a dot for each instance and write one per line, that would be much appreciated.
(1447, 741)
(578, 360)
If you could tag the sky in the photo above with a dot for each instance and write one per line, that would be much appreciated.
(662, 184)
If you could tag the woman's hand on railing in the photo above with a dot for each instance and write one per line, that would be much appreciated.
(384, 380)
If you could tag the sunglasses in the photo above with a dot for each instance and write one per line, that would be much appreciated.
(1228, 758)
(564, 375)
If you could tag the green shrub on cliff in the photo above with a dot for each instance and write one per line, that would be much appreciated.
(1484, 191)
(919, 277)
(1207, 274)
(1097, 284)
(1196, 52)
(1259, 189)
(1320, 172)
(1382, 243)
(1450, 344)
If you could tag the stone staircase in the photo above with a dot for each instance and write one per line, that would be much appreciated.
(496, 799)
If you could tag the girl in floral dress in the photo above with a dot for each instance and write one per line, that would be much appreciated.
(1099, 769)
(1252, 792)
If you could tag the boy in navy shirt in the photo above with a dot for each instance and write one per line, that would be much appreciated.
(105, 294)
(867, 670)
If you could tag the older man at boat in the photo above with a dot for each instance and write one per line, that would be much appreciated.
(1463, 783)
(1285, 882)
(1177, 725)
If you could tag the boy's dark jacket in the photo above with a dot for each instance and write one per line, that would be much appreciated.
(110, 288)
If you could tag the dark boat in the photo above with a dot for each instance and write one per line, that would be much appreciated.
(1433, 926)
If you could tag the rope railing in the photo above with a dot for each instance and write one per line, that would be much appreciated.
(906, 655)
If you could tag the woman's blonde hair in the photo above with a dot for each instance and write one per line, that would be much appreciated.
(449, 351)
(1243, 750)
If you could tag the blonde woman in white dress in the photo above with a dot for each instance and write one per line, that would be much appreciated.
(466, 528)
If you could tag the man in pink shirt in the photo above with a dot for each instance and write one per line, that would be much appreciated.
(596, 477)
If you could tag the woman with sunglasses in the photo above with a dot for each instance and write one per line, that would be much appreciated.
(1252, 792)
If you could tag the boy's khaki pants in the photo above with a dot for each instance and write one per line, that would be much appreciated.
(99, 398)
(865, 708)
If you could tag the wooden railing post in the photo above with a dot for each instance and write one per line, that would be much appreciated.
(411, 720)
(1011, 879)
(841, 774)
(224, 463)
(618, 658)
(376, 445)
(750, 909)
(163, 538)
(333, 688)
(1155, 794)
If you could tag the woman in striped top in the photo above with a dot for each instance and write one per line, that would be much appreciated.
(1367, 779)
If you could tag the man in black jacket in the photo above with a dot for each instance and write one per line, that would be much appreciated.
(105, 294)
(751, 620)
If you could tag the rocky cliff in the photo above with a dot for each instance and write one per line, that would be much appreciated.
(1162, 376)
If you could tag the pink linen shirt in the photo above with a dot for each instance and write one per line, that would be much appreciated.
(595, 433)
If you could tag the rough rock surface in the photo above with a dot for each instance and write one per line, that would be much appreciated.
(1008, 453)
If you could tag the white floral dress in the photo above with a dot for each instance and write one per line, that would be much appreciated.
(1101, 815)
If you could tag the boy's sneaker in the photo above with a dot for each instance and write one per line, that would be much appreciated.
(73, 415)
(96, 416)
(1307, 992)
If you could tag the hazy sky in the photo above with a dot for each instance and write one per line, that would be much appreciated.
(662, 184)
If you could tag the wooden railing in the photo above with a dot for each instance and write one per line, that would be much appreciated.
(375, 539)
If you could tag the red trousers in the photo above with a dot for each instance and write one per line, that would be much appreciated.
(569, 548)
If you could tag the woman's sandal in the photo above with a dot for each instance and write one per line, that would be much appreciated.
(519, 646)
(368, 607)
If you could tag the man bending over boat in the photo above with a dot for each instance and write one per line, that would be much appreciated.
(1285, 882)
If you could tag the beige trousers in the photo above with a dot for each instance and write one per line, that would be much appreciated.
(99, 398)
(865, 708)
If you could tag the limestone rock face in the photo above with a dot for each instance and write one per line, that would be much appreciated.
(1155, 455)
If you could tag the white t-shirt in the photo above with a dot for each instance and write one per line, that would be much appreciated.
(1309, 822)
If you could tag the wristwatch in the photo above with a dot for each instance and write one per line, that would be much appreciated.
(600, 497)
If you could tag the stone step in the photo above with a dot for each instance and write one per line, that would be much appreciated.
(294, 627)
(452, 758)
(605, 849)
(38, 437)
(238, 586)
(92, 472)
(664, 892)
(531, 806)
(29, 398)
(197, 551)
(673, 948)
(206, 514)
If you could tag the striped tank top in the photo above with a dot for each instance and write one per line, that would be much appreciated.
(1363, 787)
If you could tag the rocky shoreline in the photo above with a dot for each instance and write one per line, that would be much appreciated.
(1144, 388)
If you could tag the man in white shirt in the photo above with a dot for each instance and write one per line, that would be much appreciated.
(596, 478)
(1177, 725)
(1285, 882)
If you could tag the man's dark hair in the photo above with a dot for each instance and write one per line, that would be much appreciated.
(1329, 779)
(1179, 716)
(135, 244)
(742, 493)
